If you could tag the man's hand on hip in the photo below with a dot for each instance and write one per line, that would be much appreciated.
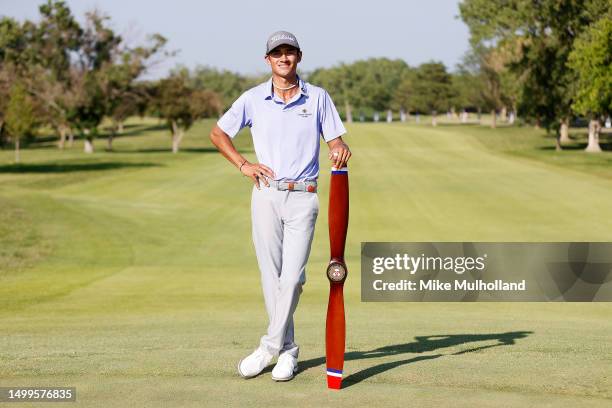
(257, 172)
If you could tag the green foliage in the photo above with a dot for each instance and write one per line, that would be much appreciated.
(177, 102)
(375, 81)
(15, 39)
(545, 32)
(122, 94)
(58, 35)
(403, 95)
(468, 90)
(432, 88)
(90, 107)
(78, 74)
(591, 60)
(20, 112)
(368, 83)
(228, 85)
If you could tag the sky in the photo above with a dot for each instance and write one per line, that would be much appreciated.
(232, 34)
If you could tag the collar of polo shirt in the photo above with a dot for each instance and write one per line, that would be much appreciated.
(301, 85)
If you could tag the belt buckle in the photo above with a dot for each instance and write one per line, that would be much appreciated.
(290, 186)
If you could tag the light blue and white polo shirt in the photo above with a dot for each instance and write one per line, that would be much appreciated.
(286, 136)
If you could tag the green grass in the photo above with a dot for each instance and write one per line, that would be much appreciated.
(131, 274)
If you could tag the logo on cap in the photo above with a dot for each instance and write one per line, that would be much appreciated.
(282, 37)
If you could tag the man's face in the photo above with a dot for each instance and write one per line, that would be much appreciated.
(283, 60)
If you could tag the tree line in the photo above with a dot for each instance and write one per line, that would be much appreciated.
(547, 61)
(70, 77)
(552, 59)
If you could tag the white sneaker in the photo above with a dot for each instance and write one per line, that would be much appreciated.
(285, 367)
(254, 363)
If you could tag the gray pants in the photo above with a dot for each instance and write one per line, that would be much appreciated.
(283, 227)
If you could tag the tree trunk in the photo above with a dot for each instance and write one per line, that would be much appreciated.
(434, 119)
(120, 128)
(62, 131)
(564, 130)
(493, 119)
(349, 112)
(109, 141)
(511, 117)
(88, 146)
(593, 146)
(537, 123)
(17, 150)
(558, 147)
(504, 114)
(389, 116)
(70, 137)
(464, 116)
(479, 115)
(176, 141)
(177, 136)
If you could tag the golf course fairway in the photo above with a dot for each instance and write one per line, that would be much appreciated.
(130, 274)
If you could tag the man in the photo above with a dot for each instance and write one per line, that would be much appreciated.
(287, 116)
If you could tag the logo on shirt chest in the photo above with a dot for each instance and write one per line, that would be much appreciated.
(304, 113)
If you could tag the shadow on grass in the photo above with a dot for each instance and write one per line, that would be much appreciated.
(50, 141)
(134, 130)
(467, 124)
(181, 150)
(421, 344)
(68, 167)
(605, 146)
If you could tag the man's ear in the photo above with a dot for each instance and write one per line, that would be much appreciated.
(267, 58)
(299, 59)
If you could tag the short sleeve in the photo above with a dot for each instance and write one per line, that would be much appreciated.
(330, 124)
(237, 117)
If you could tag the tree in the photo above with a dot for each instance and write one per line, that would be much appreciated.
(20, 115)
(40, 55)
(403, 95)
(228, 85)
(498, 89)
(339, 82)
(363, 84)
(468, 90)
(180, 105)
(376, 81)
(545, 31)
(123, 96)
(591, 60)
(432, 89)
(5, 89)
(98, 44)
(58, 38)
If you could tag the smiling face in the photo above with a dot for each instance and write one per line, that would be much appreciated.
(284, 60)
